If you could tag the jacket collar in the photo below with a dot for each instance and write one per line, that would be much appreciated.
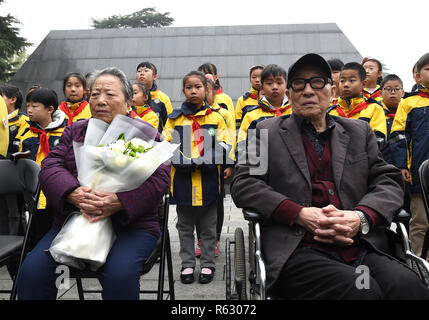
(350, 104)
(188, 108)
(14, 115)
(58, 118)
(264, 103)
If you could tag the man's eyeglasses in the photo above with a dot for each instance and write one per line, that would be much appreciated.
(392, 90)
(316, 83)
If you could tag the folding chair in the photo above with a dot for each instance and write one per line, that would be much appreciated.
(162, 251)
(18, 178)
(424, 186)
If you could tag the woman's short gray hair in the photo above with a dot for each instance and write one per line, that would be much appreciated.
(126, 84)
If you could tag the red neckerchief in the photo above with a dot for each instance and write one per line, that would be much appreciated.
(374, 95)
(141, 115)
(44, 141)
(219, 90)
(64, 108)
(277, 111)
(254, 96)
(358, 108)
(197, 130)
(423, 94)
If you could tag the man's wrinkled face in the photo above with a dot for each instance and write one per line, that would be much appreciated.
(310, 103)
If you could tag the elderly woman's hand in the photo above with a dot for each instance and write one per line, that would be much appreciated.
(100, 205)
(77, 195)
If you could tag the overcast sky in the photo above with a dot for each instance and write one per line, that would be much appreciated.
(395, 32)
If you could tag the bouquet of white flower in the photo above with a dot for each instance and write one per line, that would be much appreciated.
(113, 158)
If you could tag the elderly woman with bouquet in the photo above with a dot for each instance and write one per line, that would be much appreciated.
(133, 213)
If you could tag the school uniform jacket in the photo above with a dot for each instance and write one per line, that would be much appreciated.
(409, 136)
(75, 111)
(17, 120)
(368, 110)
(146, 113)
(33, 142)
(389, 121)
(4, 129)
(361, 178)
(197, 163)
(160, 104)
(250, 98)
(224, 101)
(229, 121)
(254, 114)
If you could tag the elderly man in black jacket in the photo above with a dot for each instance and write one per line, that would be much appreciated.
(326, 196)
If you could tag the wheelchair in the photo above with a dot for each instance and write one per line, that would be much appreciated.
(236, 287)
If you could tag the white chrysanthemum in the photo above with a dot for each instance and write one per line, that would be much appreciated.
(118, 161)
(139, 142)
(118, 146)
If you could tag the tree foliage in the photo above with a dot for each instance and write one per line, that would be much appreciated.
(145, 18)
(12, 47)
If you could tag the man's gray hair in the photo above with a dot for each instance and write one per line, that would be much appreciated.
(126, 84)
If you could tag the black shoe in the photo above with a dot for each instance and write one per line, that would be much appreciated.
(187, 278)
(206, 278)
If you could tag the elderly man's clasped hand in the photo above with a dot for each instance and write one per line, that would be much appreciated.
(329, 224)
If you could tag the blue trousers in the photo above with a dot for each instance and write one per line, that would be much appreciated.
(119, 276)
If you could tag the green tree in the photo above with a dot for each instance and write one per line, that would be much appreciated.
(12, 47)
(145, 18)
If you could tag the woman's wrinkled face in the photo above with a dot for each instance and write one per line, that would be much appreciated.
(108, 98)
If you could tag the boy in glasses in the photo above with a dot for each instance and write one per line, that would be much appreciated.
(391, 93)
(251, 97)
(352, 104)
(408, 144)
(146, 74)
(274, 103)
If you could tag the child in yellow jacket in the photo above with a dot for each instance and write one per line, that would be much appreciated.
(274, 103)
(141, 106)
(160, 103)
(352, 104)
(251, 97)
(75, 106)
(44, 127)
(222, 99)
(196, 174)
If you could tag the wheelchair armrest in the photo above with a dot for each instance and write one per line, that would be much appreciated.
(403, 214)
(251, 215)
(19, 155)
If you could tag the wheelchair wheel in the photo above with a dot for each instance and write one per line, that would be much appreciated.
(240, 264)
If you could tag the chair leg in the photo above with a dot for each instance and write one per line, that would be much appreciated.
(79, 288)
(22, 256)
(160, 295)
(170, 268)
